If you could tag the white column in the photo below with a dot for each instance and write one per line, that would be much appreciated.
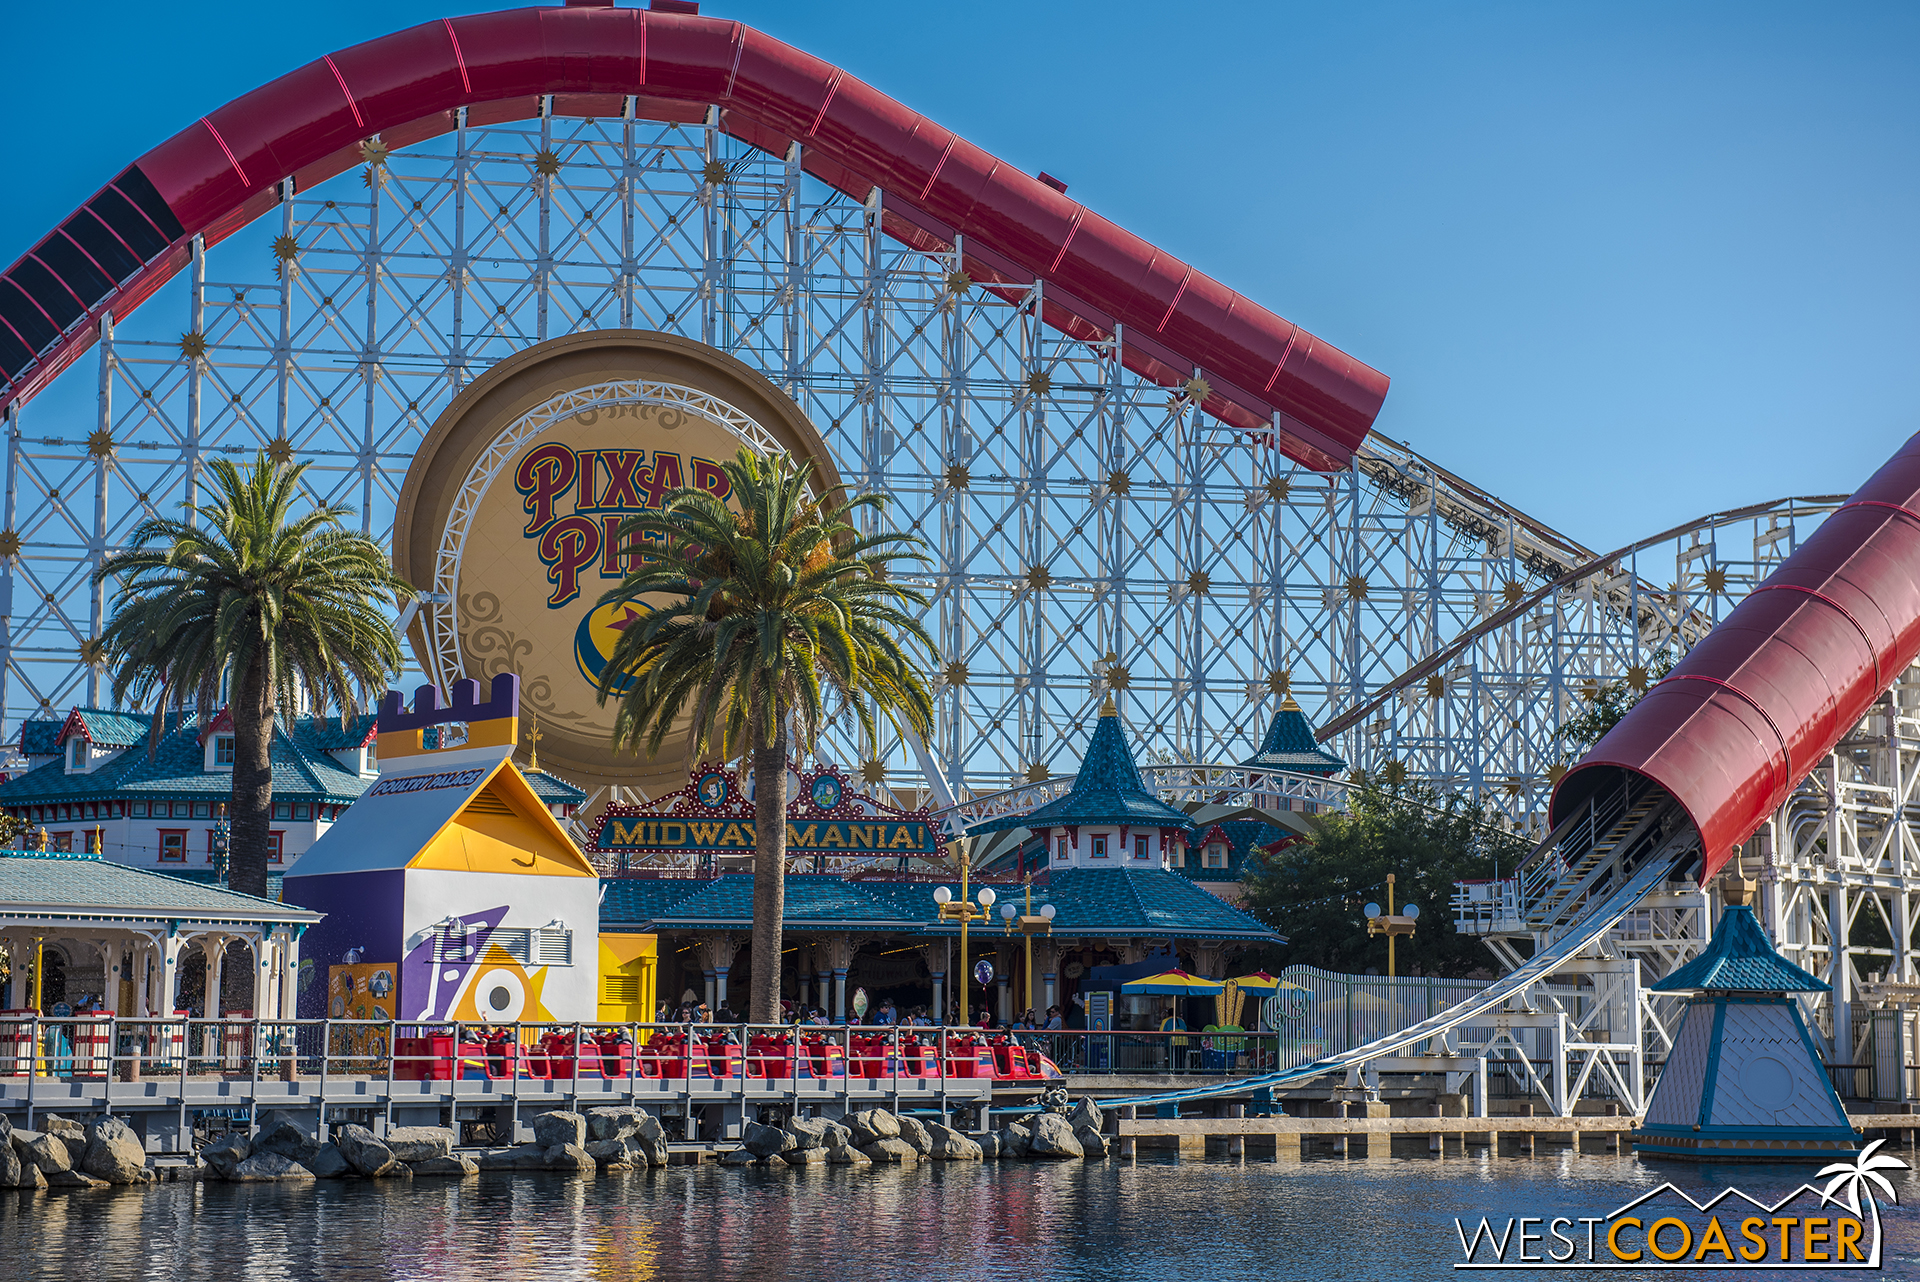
(290, 977)
(170, 951)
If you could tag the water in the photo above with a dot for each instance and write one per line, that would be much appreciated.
(1162, 1218)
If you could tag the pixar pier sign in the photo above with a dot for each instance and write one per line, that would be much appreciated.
(575, 500)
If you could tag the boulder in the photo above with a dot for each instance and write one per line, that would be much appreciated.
(872, 1125)
(114, 1153)
(329, 1163)
(365, 1152)
(49, 1153)
(938, 1131)
(891, 1149)
(72, 1179)
(1087, 1114)
(1016, 1141)
(10, 1171)
(269, 1166)
(914, 1132)
(68, 1132)
(521, 1157)
(656, 1150)
(1092, 1142)
(812, 1132)
(31, 1178)
(847, 1155)
(766, 1141)
(447, 1164)
(616, 1123)
(989, 1144)
(1053, 1138)
(960, 1148)
(226, 1153)
(740, 1157)
(286, 1137)
(413, 1144)
(804, 1156)
(554, 1128)
(622, 1154)
(571, 1157)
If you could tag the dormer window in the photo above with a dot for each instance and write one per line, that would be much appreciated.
(1140, 847)
(223, 750)
(1214, 855)
(76, 753)
(1099, 847)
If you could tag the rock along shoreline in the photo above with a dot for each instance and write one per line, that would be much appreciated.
(66, 1154)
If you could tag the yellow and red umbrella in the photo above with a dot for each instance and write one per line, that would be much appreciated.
(1174, 983)
(1262, 983)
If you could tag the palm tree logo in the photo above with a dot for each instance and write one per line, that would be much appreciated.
(1862, 1176)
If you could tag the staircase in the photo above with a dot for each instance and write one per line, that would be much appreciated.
(1589, 851)
(1593, 854)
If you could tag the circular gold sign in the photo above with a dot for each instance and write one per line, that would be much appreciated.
(508, 515)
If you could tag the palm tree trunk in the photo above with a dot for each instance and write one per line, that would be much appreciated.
(769, 872)
(252, 712)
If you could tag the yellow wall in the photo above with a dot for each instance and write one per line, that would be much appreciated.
(629, 967)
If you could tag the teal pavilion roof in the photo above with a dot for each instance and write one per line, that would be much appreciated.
(1740, 959)
(1290, 745)
(1108, 790)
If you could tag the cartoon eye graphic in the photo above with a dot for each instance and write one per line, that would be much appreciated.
(499, 995)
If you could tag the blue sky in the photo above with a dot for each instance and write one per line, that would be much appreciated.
(1626, 264)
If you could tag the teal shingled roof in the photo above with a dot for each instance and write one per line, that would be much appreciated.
(1290, 745)
(1087, 902)
(1741, 959)
(553, 791)
(177, 770)
(1107, 790)
(106, 728)
(40, 738)
(41, 884)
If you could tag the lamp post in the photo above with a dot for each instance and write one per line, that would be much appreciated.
(966, 913)
(1389, 924)
(1029, 925)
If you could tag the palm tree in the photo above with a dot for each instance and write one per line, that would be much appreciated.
(1852, 1180)
(271, 606)
(758, 627)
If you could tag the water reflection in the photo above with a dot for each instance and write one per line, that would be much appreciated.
(1160, 1219)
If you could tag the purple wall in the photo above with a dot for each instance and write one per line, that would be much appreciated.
(363, 910)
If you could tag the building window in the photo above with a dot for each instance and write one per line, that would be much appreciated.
(276, 844)
(61, 842)
(202, 810)
(1140, 848)
(223, 750)
(302, 811)
(282, 810)
(1179, 859)
(1215, 855)
(139, 810)
(173, 847)
(78, 750)
(1099, 847)
(1060, 855)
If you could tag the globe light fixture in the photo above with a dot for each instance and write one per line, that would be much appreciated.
(1007, 912)
(1047, 911)
(987, 896)
(941, 895)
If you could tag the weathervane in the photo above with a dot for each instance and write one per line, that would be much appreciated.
(533, 745)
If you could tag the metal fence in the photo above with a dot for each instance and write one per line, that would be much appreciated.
(1326, 1013)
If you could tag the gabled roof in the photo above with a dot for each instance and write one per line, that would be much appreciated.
(1088, 902)
(326, 734)
(1107, 790)
(40, 738)
(44, 885)
(178, 769)
(398, 821)
(1290, 744)
(104, 728)
(1740, 959)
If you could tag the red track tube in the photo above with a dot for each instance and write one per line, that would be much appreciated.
(1766, 695)
(1262, 370)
